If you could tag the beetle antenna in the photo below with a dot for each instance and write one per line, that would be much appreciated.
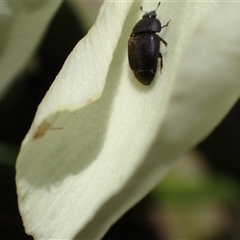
(141, 8)
(157, 6)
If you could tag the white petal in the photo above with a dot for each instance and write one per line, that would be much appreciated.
(83, 176)
(80, 82)
(22, 25)
(85, 11)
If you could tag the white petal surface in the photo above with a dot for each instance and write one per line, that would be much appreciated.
(77, 135)
(22, 24)
(79, 170)
(85, 11)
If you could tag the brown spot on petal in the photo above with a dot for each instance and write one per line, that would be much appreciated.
(44, 126)
(41, 130)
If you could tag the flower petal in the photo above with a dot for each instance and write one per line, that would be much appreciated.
(80, 82)
(82, 10)
(22, 25)
(93, 164)
(200, 100)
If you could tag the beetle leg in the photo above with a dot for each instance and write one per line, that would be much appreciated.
(165, 43)
(166, 24)
(161, 61)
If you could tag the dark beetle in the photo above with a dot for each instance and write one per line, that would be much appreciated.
(144, 45)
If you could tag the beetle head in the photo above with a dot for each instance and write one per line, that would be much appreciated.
(151, 14)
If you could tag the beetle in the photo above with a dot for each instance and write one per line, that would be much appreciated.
(144, 47)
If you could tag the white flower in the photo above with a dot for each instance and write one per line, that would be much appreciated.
(22, 25)
(84, 163)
